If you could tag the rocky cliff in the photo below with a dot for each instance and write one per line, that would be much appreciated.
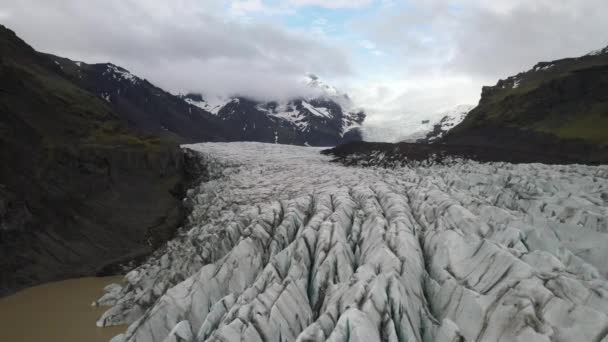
(79, 189)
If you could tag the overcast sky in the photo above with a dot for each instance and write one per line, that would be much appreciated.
(401, 60)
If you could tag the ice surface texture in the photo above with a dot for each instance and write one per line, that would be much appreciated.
(285, 245)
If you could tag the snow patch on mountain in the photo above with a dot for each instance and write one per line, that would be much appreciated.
(516, 83)
(284, 245)
(288, 113)
(326, 107)
(119, 73)
(455, 116)
(318, 111)
(211, 104)
(350, 121)
(543, 66)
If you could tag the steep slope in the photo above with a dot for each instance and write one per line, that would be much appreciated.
(322, 120)
(284, 245)
(144, 106)
(78, 189)
(325, 119)
(559, 105)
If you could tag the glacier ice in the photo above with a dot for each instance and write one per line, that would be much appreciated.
(284, 245)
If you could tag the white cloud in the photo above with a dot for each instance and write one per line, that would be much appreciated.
(319, 22)
(366, 44)
(332, 4)
(182, 45)
(247, 5)
(444, 51)
(413, 58)
(371, 48)
(490, 39)
(396, 108)
(242, 8)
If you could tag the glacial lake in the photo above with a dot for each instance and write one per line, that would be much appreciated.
(56, 312)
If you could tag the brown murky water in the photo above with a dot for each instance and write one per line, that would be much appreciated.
(56, 312)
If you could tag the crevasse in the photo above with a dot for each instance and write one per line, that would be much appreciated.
(284, 245)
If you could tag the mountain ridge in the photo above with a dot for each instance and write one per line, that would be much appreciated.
(565, 101)
(194, 118)
(78, 187)
(555, 113)
(327, 117)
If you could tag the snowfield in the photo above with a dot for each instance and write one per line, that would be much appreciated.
(284, 245)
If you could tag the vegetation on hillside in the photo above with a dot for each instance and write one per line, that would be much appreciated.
(567, 99)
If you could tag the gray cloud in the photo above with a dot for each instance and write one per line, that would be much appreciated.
(465, 44)
(429, 54)
(500, 44)
(489, 39)
(180, 45)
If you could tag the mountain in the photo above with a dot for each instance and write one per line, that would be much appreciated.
(432, 131)
(321, 120)
(91, 170)
(557, 106)
(145, 107)
(297, 248)
(79, 188)
(325, 119)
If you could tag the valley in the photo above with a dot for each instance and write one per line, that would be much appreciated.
(211, 187)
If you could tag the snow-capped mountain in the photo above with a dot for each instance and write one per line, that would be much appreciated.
(431, 131)
(326, 118)
(284, 245)
(211, 104)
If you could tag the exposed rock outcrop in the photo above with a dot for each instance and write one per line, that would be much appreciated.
(80, 192)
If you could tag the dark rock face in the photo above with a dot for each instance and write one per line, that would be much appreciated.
(189, 118)
(91, 173)
(79, 189)
(319, 121)
(247, 122)
(561, 104)
(401, 154)
(142, 105)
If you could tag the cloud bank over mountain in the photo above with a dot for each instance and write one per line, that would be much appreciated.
(401, 60)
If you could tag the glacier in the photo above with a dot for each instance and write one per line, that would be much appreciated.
(282, 244)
